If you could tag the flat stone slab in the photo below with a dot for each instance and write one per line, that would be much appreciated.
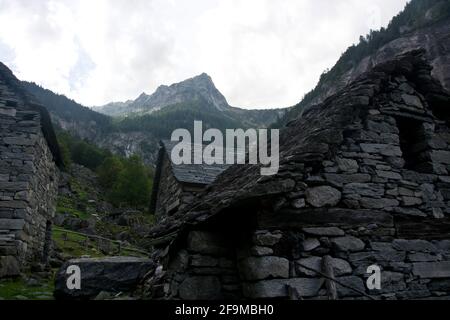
(111, 274)
(431, 270)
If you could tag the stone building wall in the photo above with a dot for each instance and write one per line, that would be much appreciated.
(369, 186)
(390, 207)
(172, 195)
(205, 269)
(28, 180)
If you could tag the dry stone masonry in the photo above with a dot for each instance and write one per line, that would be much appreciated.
(28, 177)
(175, 186)
(364, 180)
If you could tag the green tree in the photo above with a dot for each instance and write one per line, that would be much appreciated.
(133, 185)
(109, 171)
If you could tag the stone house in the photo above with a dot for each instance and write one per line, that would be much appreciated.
(176, 186)
(364, 180)
(29, 156)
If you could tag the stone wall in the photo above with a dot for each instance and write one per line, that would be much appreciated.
(379, 200)
(364, 180)
(204, 269)
(28, 182)
(411, 269)
(172, 195)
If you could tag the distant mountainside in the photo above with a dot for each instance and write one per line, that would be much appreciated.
(423, 24)
(69, 115)
(140, 124)
(199, 87)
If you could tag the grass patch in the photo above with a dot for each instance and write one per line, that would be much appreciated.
(72, 245)
(19, 289)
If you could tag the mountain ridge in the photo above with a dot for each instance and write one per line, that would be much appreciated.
(165, 95)
(422, 24)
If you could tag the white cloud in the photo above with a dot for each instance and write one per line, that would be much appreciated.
(260, 53)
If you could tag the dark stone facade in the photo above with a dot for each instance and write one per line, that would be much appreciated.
(28, 177)
(364, 180)
(172, 194)
(176, 186)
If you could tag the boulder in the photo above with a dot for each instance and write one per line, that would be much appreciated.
(111, 274)
(323, 196)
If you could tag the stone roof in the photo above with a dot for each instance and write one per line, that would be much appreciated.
(12, 93)
(201, 174)
(305, 144)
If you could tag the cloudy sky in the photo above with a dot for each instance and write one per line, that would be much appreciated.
(260, 53)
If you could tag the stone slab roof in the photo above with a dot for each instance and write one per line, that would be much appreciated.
(200, 174)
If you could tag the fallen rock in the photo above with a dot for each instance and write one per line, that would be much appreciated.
(111, 274)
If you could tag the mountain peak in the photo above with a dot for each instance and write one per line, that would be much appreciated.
(192, 89)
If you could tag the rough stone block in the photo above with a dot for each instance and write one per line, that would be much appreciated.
(310, 244)
(306, 287)
(431, 270)
(200, 288)
(206, 243)
(323, 196)
(325, 232)
(349, 243)
(267, 238)
(259, 268)
(204, 261)
(364, 189)
(261, 251)
(352, 282)
(11, 224)
(371, 203)
(340, 267)
(414, 245)
(383, 149)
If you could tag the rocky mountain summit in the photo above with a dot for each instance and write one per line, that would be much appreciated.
(191, 89)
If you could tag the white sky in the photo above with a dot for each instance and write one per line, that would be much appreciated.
(260, 53)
